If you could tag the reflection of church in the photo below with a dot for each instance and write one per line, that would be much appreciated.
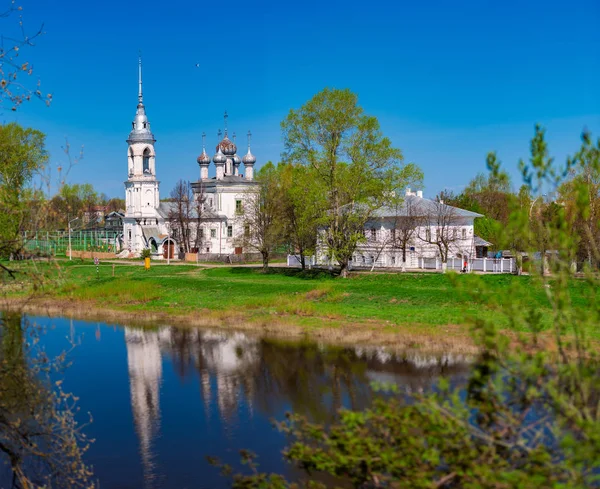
(146, 224)
(145, 374)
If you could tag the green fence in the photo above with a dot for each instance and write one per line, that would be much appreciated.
(57, 243)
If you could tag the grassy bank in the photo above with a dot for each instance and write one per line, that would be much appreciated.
(424, 304)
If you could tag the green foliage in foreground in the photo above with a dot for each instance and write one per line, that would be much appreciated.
(529, 416)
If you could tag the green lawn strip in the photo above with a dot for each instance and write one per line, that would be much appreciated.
(420, 300)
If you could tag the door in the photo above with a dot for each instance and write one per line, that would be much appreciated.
(238, 250)
(168, 250)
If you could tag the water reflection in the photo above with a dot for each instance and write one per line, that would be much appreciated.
(162, 399)
(145, 373)
(265, 375)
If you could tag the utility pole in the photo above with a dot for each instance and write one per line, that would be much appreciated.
(70, 249)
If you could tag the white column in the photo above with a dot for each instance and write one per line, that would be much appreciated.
(484, 261)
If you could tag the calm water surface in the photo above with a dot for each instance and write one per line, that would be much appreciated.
(163, 399)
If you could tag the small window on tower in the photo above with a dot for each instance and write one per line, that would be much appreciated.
(213, 233)
(146, 161)
(229, 231)
(238, 206)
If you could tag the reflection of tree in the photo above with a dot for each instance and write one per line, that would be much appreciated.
(312, 380)
(39, 438)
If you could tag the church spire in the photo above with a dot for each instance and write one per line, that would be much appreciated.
(140, 130)
(140, 96)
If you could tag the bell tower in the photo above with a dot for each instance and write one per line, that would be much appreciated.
(141, 187)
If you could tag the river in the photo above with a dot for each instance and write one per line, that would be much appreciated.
(163, 399)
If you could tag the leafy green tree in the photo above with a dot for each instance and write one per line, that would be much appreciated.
(22, 153)
(302, 204)
(583, 189)
(357, 167)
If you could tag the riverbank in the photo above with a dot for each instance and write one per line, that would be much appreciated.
(422, 311)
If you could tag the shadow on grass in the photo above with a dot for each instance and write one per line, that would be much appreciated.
(285, 272)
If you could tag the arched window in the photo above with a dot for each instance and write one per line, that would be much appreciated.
(146, 160)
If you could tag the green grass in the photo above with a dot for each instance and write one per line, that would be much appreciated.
(420, 300)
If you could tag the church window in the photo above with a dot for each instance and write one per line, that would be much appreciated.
(373, 234)
(246, 230)
(130, 234)
(238, 206)
(464, 233)
(393, 260)
(201, 232)
(229, 231)
(428, 235)
(146, 161)
(213, 233)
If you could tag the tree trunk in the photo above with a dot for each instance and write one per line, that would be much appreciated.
(265, 258)
(302, 261)
(404, 259)
(444, 266)
(344, 269)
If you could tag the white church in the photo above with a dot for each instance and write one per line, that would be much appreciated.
(146, 222)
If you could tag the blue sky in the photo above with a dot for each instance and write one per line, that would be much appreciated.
(449, 81)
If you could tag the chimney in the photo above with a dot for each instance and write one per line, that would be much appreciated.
(420, 194)
(408, 191)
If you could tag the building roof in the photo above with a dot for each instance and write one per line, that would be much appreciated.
(480, 241)
(421, 206)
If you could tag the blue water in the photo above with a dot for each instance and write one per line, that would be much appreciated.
(163, 399)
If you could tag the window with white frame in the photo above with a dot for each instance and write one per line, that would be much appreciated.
(229, 231)
(464, 233)
(213, 233)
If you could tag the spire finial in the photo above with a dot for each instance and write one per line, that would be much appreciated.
(225, 117)
(140, 96)
(249, 137)
(203, 142)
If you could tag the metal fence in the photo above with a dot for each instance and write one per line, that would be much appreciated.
(57, 242)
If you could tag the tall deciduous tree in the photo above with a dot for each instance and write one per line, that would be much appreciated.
(22, 153)
(261, 216)
(181, 213)
(357, 167)
(302, 205)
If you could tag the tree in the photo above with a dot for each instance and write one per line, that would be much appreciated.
(488, 194)
(439, 228)
(583, 189)
(302, 206)
(181, 213)
(261, 215)
(22, 152)
(12, 68)
(406, 226)
(357, 167)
